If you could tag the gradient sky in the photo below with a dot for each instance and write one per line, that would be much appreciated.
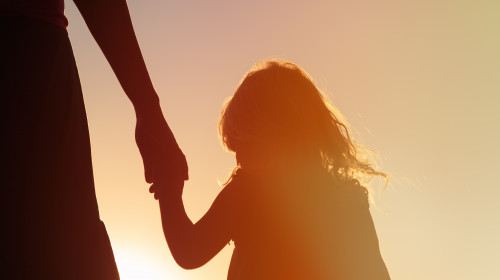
(419, 82)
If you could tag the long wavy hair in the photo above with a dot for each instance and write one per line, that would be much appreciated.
(277, 117)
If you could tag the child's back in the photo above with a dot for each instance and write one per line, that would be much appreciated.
(302, 227)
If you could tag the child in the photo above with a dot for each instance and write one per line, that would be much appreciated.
(293, 206)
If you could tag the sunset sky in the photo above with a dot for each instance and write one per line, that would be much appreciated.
(419, 82)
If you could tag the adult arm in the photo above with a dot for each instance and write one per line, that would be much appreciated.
(110, 24)
(194, 244)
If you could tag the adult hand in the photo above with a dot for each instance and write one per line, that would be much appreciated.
(159, 150)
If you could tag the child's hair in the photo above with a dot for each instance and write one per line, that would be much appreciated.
(278, 109)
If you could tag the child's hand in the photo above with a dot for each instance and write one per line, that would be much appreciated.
(154, 190)
(172, 188)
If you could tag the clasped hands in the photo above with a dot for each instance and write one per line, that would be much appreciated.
(165, 165)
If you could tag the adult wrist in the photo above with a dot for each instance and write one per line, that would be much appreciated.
(145, 101)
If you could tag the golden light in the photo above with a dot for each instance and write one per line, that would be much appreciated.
(135, 264)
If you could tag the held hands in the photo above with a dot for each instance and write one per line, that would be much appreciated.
(160, 153)
(171, 188)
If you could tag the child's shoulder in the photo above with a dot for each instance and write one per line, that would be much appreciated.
(241, 177)
(237, 183)
(352, 193)
(246, 187)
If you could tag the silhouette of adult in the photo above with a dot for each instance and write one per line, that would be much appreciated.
(50, 220)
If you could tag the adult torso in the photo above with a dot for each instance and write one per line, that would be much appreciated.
(47, 10)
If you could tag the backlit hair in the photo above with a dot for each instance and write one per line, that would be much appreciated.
(278, 108)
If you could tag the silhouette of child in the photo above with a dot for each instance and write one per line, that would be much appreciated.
(293, 206)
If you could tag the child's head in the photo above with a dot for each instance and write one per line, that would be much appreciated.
(277, 116)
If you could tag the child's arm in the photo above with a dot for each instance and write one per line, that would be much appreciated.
(193, 245)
